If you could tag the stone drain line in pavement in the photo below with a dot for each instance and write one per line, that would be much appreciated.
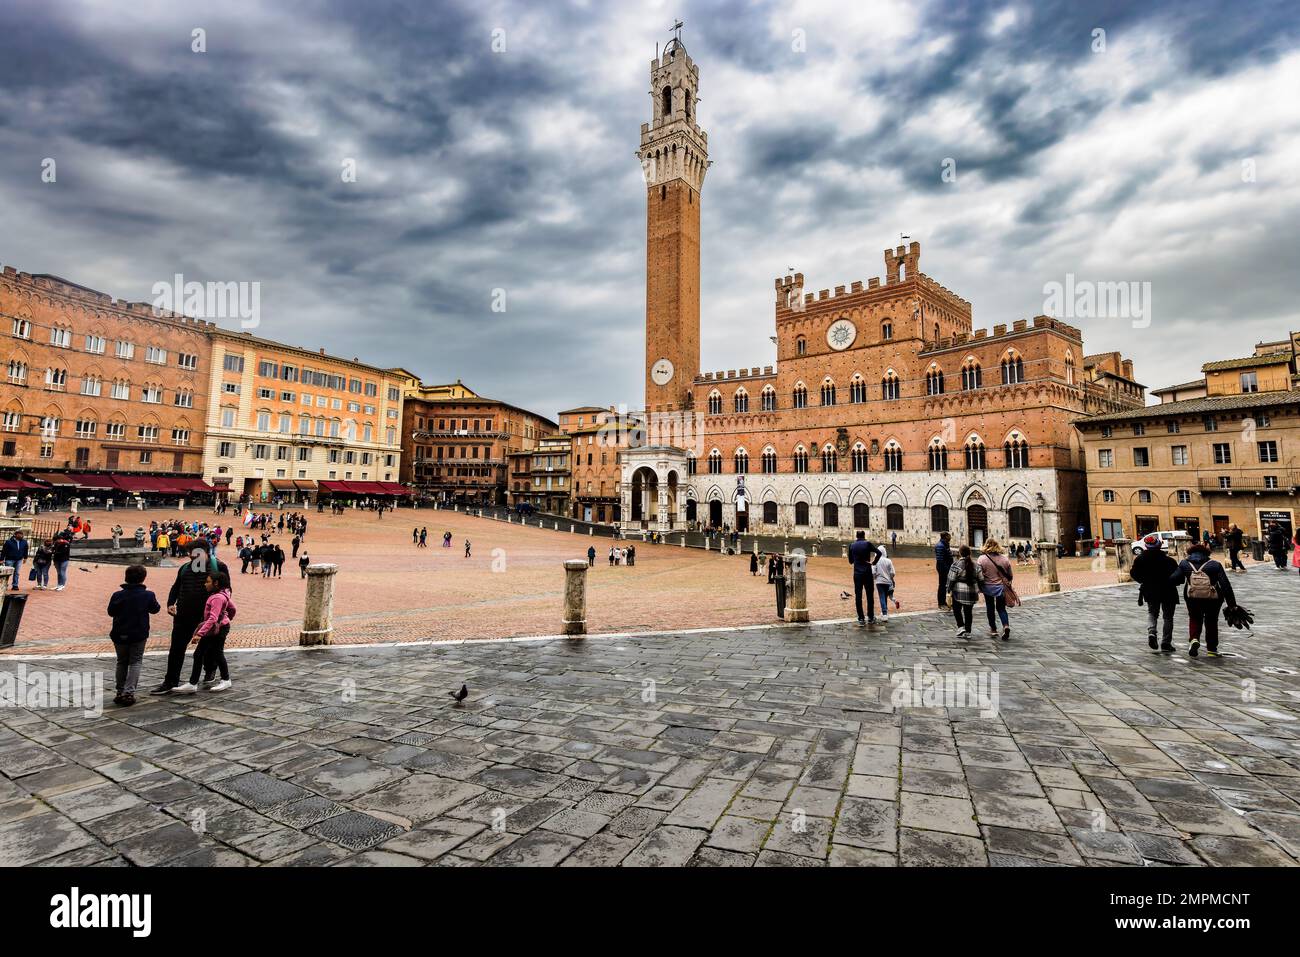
(753, 747)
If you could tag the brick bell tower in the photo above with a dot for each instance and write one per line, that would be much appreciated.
(674, 157)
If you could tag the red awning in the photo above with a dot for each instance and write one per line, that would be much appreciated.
(53, 478)
(335, 487)
(191, 485)
(157, 484)
(96, 483)
(20, 485)
(395, 489)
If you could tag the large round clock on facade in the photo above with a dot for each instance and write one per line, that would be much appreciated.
(662, 372)
(841, 334)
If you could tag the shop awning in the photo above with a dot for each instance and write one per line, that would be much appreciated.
(96, 483)
(395, 489)
(336, 487)
(19, 485)
(158, 484)
(282, 485)
(54, 478)
(304, 485)
(191, 485)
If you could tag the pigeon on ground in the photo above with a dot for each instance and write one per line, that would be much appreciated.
(844, 596)
(460, 695)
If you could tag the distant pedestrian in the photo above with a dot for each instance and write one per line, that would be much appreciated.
(446, 539)
(415, 537)
(753, 563)
(297, 543)
(591, 556)
(467, 548)
(303, 561)
(1234, 542)
(631, 555)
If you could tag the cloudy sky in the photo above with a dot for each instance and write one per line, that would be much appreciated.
(1165, 151)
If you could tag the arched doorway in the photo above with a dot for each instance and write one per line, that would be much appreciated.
(977, 520)
(672, 498)
(645, 495)
(715, 513)
(691, 510)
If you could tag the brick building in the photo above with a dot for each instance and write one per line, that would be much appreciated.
(1230, 455)
(291, 423)
(598, 435)
(457, 443)
(96, 386)
(886, 409)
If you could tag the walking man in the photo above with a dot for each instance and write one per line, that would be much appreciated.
(14, 554)
(943, 559)
(862, 555)
(1234, 548)
(1154, 570)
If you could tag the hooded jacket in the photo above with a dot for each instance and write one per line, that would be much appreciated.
(884, 568)
(1153, 570)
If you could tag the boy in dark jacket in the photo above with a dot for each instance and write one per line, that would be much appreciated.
(1153, 570)
(1205, 589)
(130, 608)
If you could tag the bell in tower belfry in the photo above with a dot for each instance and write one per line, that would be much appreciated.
(674, 157)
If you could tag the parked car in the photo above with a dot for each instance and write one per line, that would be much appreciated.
(1166, 540)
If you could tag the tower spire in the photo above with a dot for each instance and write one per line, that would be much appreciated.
(674, 157)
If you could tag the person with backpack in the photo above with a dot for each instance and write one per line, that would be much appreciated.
(130, 608)
(211, 634)
(943, 562)
(965, 582)
(995, 569)
(1153, 570)
(1205, 589)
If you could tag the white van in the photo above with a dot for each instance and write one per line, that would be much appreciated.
(1166, 541)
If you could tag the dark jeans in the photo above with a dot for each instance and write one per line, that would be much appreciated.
(963, 613)
(865, 582)
(182, 632)
(1279, 558)
(1155, 612)
(1236, 560)
(998, 604)
(1203, 615)
(210, 655)
(943, 584)
(130, 657)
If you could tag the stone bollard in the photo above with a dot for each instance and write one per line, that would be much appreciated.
(318, 615)
(180, 504)
(1123, 560)
(76, 504)
(796, 599)
(573, 530)
(591, 530)
(575, 597)
(683, 539)
(1180, 548)
(1048, 581)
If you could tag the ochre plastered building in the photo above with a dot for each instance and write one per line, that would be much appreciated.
(98, 385)
(886, 409)
(283, 420)
(1229, 456)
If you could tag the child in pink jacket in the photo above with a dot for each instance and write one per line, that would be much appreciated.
(209, 656)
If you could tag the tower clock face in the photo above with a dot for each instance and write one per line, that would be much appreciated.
(841, 334)
(661, 373)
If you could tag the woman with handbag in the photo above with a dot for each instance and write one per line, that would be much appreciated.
(998, 593)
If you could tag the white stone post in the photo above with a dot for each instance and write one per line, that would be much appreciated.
(1123, 560)
(1048, 582)
(575, 597)
(318, 615)
(796, 599)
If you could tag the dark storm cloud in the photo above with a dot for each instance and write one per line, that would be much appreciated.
(482, 171)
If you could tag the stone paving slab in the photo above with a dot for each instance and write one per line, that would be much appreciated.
(784, 746)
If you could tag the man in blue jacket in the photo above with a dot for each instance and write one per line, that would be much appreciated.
(862, 556)
(14, 554)
(943, 560)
